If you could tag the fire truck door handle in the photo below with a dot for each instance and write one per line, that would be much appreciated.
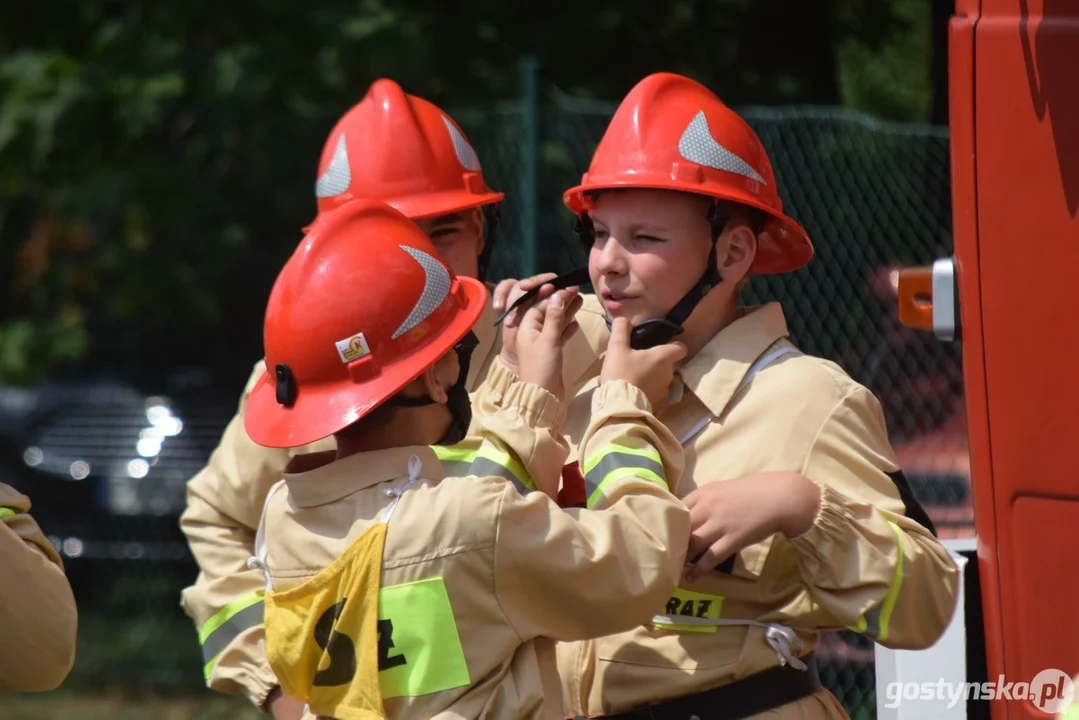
(929, 299)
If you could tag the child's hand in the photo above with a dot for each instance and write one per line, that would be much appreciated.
(651, 370)
(507, 291)
(504, 295)
(540, 338)
(730, 515)
(283, 707)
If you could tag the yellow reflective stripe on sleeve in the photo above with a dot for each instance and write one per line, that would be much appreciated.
(616, 461)
(464, 452)
(419, 647)
(689, 604)
(227, 624)
(885, 618)
(484, 460)
(6, 512)
(875, 623)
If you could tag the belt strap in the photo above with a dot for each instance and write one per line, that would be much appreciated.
(744, 698)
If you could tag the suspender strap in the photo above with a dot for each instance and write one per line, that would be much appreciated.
(759, 364)
(258, 560)
(757, 693)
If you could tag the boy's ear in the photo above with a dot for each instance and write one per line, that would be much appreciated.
(736, 256)
(477, 225)
(432, 386)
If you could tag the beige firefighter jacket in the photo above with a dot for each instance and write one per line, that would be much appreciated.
(38, 617)
(224, 502)
(750, 402)
(505, 569)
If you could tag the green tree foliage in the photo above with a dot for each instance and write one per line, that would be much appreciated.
(886, 70)
(157, 160)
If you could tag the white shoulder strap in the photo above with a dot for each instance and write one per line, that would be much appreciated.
(782, 638)
(258, 560)
(764, 361)
(759, 364)
(415, 467)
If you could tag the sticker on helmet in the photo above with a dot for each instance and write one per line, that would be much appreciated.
(352, 348)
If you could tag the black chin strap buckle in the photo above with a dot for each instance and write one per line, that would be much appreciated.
(651, 333)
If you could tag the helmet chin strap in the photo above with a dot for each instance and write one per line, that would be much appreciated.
(657, 331)
(458, 401)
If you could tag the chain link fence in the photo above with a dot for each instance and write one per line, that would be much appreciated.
(873, 195)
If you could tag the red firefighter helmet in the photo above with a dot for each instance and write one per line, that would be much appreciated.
(672, 133)
(360, 310)
(404, 151)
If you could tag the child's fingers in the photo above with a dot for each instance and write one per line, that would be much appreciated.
(532, 321)
(708, 559)
(666, 354)
(529, 283)
(572, 328)
(553, 321)
(620, 334)
(574, 302)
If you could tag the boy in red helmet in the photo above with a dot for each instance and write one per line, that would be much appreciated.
(392, 591)
(408, 153)
(802, 518)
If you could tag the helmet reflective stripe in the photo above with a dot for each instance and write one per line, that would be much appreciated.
(338, 175)
(436, 287)
(698, 146)
(465, 154)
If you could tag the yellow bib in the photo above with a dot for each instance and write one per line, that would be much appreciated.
(322, 637)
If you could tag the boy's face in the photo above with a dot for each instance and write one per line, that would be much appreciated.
(458, 237)
(651, 247)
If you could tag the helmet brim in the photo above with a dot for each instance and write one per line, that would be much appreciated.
(322, 410)
(427, 205)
